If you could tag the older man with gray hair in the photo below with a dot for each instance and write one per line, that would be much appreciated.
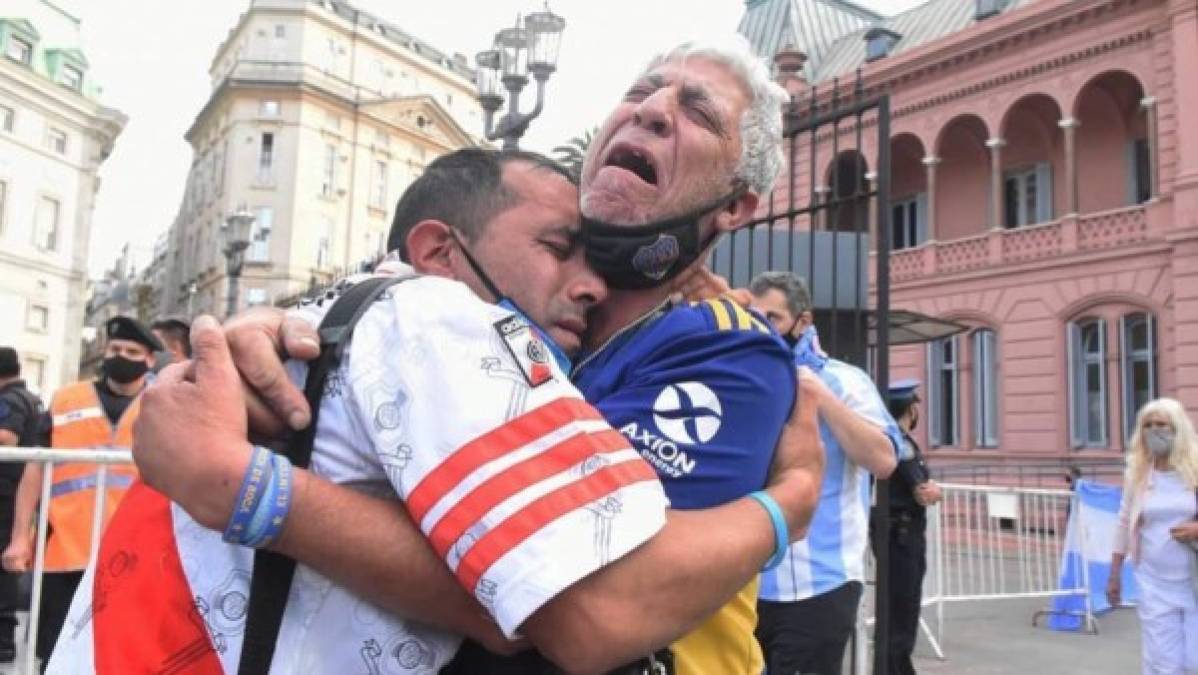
(700, 391)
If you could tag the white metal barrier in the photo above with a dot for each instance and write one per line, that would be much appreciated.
(48, 458)
(993, 543)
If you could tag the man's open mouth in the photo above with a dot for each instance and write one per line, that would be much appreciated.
(633, 160)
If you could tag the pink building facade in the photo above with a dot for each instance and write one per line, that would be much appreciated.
(1044, 182)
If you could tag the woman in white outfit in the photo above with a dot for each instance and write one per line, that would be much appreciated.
(1158, 529)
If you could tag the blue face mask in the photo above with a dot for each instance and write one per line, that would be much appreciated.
(505, 301)
(808, 352)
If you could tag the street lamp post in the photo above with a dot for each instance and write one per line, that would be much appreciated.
(518, 51)
(237, 239)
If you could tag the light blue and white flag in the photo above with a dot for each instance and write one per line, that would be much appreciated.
(1089, 539)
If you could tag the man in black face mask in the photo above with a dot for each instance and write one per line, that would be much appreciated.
(82, 415)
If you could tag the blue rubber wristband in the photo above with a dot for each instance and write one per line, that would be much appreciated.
(249, 496)
(256, 530)
(279, 505)
(781, 531)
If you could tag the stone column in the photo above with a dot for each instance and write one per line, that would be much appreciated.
(1183, 234)
(996, 200)
(1069, 125)
(1148, 105)
(1184, 34)
(930, 163)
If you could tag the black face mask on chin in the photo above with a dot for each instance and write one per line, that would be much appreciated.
(636, 257)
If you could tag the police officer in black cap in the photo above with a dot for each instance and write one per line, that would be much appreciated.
(20, 421)
(911, 491)
(87, 414)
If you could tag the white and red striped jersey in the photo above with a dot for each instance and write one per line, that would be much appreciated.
(522, 488)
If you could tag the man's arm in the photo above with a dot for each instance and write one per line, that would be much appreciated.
(403, 574)
(18, 556)
(189, 444)
(640, 603)
(861, 438)
(12, 422)
(630, 608)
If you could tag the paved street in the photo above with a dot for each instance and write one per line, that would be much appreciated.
(993, 637)
(989, 637)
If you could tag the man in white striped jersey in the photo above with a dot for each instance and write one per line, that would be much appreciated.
(808, 604)
(530, 501)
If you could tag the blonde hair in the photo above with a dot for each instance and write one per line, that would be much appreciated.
(1184, 456)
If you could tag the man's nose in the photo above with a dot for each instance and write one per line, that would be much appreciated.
(588, 288)
(655, 113)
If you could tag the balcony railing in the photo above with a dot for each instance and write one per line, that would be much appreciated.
(997, 247)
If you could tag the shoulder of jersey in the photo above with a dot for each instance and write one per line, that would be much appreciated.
(719, 315)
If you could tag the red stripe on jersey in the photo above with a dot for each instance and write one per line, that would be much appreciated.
(517, 478)
(143, 610)
(523, 524)
(515, 434)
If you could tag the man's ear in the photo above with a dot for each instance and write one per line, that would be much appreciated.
(430, 247)
(738, 212)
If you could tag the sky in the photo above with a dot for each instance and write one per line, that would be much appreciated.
(151, 57)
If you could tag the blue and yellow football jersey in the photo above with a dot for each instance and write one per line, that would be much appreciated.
(702, 391)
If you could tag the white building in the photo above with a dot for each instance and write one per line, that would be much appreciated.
(320, 116)
(54, 134)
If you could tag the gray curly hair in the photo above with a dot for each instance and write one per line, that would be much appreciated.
(761, 125)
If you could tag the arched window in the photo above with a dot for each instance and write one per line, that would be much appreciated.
(1087, 383)
(985, 388)
(1137, 347)
(943, 389)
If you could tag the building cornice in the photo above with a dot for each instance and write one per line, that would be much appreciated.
(55, 99)
(316, 12)
(1044, 66)
(1009, 31)
(39, 263)
(1001, 34)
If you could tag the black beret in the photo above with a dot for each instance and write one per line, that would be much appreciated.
(124, 328)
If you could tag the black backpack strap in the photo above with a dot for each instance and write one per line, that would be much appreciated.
(270, 581)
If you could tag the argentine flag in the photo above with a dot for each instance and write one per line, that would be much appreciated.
(1089, 538)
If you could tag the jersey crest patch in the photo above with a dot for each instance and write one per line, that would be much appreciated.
(527, 349)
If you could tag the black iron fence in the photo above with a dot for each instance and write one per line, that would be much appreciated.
(820, 223)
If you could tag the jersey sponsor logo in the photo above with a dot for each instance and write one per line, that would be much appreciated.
(526, 348)
(665, 455)
(688, 413)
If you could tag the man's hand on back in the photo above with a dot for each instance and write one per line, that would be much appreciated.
(702, 284)
(189, 441)
(260, 339)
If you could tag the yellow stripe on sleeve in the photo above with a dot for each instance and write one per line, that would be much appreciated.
(722, 320)
(743, 320)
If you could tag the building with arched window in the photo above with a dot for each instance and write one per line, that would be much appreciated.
(1044, 193)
